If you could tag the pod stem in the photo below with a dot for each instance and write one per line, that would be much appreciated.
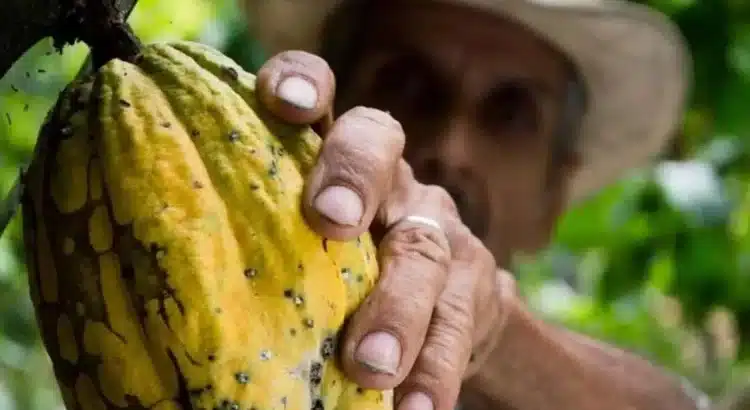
(100, 25)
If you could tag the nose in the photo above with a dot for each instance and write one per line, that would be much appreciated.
(447, 161)
(444, 159)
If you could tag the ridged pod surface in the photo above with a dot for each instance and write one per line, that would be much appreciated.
(169, 261)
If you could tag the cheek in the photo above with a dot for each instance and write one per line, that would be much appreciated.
(515, 165)
(517, 226)
(520, 205)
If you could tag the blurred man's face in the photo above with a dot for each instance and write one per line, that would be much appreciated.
(480, 99)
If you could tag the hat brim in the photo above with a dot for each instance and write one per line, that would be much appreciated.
(633, 61)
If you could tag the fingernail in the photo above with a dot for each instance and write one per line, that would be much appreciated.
(416, 401)
(341, 205)
(380, 352)
(298, 92)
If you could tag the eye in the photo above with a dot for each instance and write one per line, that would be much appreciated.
(401, 75)
(407, 83)
(511, 107)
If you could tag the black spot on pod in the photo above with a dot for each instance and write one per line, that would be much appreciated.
(66, 131)
(325, 244)
(299, 300)
(242, 377)
(328, 347)
(199, 391)
(250, 272)
(232, 73)
(234, 136)
(318, 405)
(166, 124)
(228, 405)
(316, 373)
(124, 103)
(309, 323)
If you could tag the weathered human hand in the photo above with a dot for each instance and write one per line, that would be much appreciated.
(438, 301)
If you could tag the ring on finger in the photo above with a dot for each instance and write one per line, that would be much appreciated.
(419, 219)
(424, 221)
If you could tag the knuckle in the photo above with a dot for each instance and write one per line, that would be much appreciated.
(486, 258)
(454, 314)
(374, 116)
(404, 187)
(467, 248)
(442, 358)
(405, 173)
(432, 370)
(402, 311)
(348, 161)
(300, 61)
(357, 147)
(439, 195)
(369, 135)
(446, 351)
(415, 242)
(449, 343)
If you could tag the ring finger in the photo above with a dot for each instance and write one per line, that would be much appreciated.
(385, 336)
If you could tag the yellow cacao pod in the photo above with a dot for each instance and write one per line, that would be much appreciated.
(169, 261)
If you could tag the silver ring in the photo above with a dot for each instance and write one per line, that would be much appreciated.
(424, 221)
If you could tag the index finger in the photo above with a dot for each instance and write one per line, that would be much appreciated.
(297, 86)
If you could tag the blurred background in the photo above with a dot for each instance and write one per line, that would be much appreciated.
(658, 264)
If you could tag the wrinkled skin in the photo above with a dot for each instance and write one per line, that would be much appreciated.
(463, 109)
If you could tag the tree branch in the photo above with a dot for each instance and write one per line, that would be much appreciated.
(23, 23)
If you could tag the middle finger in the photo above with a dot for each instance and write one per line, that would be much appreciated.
(353, 174)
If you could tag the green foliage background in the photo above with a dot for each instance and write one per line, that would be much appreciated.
(658, 264)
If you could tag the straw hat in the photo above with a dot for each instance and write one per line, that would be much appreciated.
(632, 59)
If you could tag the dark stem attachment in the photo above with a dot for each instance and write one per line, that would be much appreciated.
(100, 25)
